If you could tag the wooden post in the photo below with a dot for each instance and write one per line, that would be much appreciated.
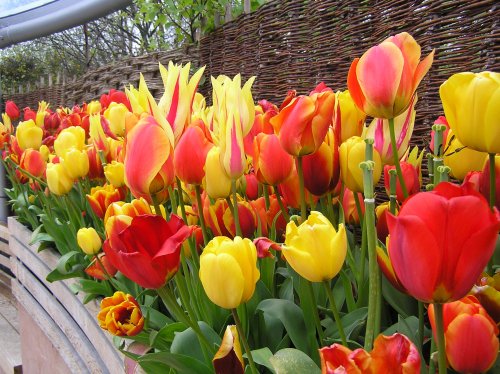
(28, 87)
(217, 17)
(42, 81)
(247, 6)
(58, 78)
(229, 13)
(20, 88)
(50, 80)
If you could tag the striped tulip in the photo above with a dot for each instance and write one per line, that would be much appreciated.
(348, 120)
(383, 81)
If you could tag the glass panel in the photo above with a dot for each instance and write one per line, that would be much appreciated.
(11, 7)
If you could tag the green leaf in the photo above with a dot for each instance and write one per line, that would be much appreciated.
(351, 323)
(292, 361)
(186, 342)
(164, 338)
(292, 318)
(403, 304)
(161, 361)
(156, 319)
(262, 356)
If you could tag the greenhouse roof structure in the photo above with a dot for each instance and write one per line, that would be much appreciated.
(22, 20)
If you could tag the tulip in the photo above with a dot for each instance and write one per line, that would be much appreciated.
(410, 176)
(29, 135)
(471, 106)
(115, 173)
(58, 180)
(33, 162)
(449, 235)
(41, 113)
(461, 160)
(348, 120)
(250, 186)
(148, 162)
(100, 198)
(351, 214)
(228, 358)
(114, 96)
(89, 241)
(119, 215)
(247, 219)
(289, 189)
(272, 164)
(261, 125)
(71, 137)
(228, 271)
(177, 100)
(76, 163)
(117, 114)
(101, 269)
(97, 133)
(121, 315)
(315, 249)
(381, 212)
(214, 215)
(6, 130)
(148, 250)
(302, 125)
(217, 183)
(351, 154)
(484, 181)
(487, 291)
(403, 129)
(95, 165)
(190, 155)
(12, 110)
(470, 335)
(383, 81)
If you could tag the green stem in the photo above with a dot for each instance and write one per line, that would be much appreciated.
(358, 208)
(181, 200)
(303, 207)
(392, 190)
(432, 366)
(244, 341)
(335, 312)
(438, 154)
(280, 203)
(317, 321)
(265, 192)
(438, 312)
(197, 191)
(492, 180)
(420, 325)
(156, 205)
(236, 214)
(173, 199)
(396, 157)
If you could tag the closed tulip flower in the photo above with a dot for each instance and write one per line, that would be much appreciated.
(190, 155)
(101, 197)
(148, 250)
(410, 176)
(29, 135)
(76, 163)
(71, 137)
(484, 181)
(470, 334)
(117, 114)
(461, 160)
(383, 81)
(351, 154)
(217, 182)
(449, 235)
(272, 164)
(89, 241)
(33, 162)
(94, 107)
(302, 125)
(228, 271)
(115, 173)
(471, 103)
(58, 180)
(12, 110)
(121, 315)
(348, 120)
(315, 249)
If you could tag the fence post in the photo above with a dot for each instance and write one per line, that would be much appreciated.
(229, 13)
(50, 80)
(246, 6)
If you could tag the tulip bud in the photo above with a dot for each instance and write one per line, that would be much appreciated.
(410, 177)
(461, 160)
(58, 180)
(190, 155)
(12, 110)
(89, 241)
(29, 135)
(71, 137)
(217, 183)
(117, 114)
(315, 249)
(228, 271)
(93, 107)
(76, 163)
(33, 162)
(348, 119)
(115, 173)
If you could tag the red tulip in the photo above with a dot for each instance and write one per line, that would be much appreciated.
(303, 123)
(100, 270)
(272, 164)
(148, 250)
(263, 113)
(149, 167)
(190, 155)
(470, 334)
(351, 214)
(114, 96)
(100, 198)
(29, 114)
(390, 354)
(449, 235)
(33, 162)
(251, 186)
(12, 110)
(410, 176)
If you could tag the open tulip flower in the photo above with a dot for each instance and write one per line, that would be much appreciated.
(449, 235)
(383, 81)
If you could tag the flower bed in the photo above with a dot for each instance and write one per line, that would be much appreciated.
(209, 231)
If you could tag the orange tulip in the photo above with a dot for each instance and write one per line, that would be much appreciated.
(149, 169)
(101, 197)
(33, 162)
(351, 215)
(272, 164)
(383, 81)
(303, 123)
(121, 315)
(410, 176)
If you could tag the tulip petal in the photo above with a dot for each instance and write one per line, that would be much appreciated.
(395, 354)
(228, 358)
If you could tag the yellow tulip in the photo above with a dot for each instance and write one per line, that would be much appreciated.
(117, 114)
(114, 173)
(216, 182)
(461, 160)
(351, 154)
(228, 271)
(315, 250)
(76, 163)
(471, 103)
(41, 113)
(94, 107)
(45, 151)
(58, 180)
(71, 137)
(89, 241)
(29, 135)
(348, 119)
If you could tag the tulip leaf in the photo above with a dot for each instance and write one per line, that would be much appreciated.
(186, 342)
(292, 318)
(403, 304)
(160, 363)
(163, 339)
(352, 323)
(69, 266)
(291, 361)
(262, 356)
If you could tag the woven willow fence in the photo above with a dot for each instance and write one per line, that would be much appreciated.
(294, 44)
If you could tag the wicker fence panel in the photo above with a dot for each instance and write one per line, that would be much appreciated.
(295, 44)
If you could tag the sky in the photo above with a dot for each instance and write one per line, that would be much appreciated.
(9, 7)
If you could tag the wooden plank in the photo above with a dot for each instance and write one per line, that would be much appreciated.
(10, 345)
(41, 264)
